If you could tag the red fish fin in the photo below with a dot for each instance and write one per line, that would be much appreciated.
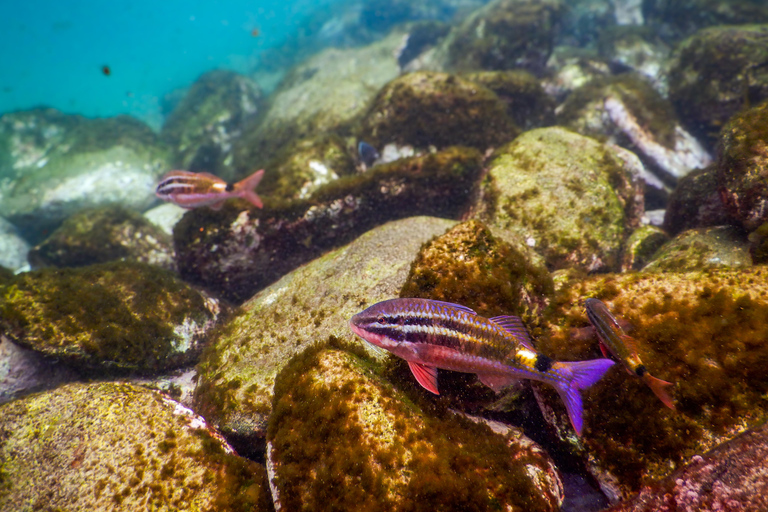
(603, 349)
(496, 382)
(514, 326)
(245, 188)
(629, 341)
(659, 388)
(217, 206)
(425, 375)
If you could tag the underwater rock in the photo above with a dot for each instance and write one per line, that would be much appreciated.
(583, 21)
(327, 93)
(638, 49)
(675, 19)
(13, 248)
(23, 371)
(57, 164)
(703, 331)
(758, 244)
(504, 34)
(425, 109)
(203, 126)
(695, 202)
(528, 105)
(305, 165)
(717, 72)
(570, 68)
(640, 247)
(311, 305)
(341, 438)
(572, 199)
(165, 216)
(113, 446)
(238, 252)
(468, 265)
(627, 109)
(741, 168)
(732, 476)
(119, 316)
(104, 234)
(700, 248)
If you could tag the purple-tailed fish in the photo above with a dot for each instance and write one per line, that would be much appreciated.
(614, 340)
(431, 334)
(194, 189)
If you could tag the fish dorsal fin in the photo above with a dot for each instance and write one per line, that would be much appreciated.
(514, 326)
(456, 306)
(629, 341)
(425, 375)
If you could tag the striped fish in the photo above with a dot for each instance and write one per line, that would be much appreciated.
(195, 189)
(431, 334)
(622, 347)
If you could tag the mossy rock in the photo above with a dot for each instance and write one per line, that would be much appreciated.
(695, 202)
(305, 166)
(528, 104)
(641, 245)
(342, 439)
(700, 248)
(703, 331)
(104, 234)
(468, 265)
(715, 73)
(114, 446)
(741, 167)
(569, 197)
(111, 316)
(428, 109)
(214, 112)
(312, 304)
(758, 244)
(6, 274)
(676, 19)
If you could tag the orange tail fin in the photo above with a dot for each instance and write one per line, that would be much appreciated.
(659, 388)
(245, 188)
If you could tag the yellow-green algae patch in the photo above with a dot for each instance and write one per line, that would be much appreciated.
(343, 439)
(704, 331)
(118, 315)
(114, 446)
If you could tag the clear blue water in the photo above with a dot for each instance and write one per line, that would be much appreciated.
(53, 52)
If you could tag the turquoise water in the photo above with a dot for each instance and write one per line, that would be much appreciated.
(53, 53)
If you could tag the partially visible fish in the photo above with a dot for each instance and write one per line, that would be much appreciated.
(614, 340)
(368, 154)
(431, 334)
(194, 189)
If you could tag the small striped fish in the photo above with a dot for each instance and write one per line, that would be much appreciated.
(195, 189)
(614, 340)
(431, 334)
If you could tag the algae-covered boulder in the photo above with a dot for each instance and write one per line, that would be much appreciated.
(680, 18)
(637, 48)
(715, 73)
(23, 371)
(569, 197)
(641, 245)
(238, 252)
(703, 331)
(341, 438)
(741, 168)
(212, 114)
(113, 446)
(699, 248)
(53, 165)
(121, 316)
(426, 109)
(731, 476)
(326, 93)
(13, 248)
(104, 234)
(695, 202)
(310, 305)
(528, 104)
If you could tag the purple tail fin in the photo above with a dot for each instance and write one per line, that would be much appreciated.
(575, 377)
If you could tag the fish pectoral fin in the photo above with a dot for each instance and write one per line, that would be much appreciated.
(603, 349)
(496, 382)
(217, 206)
(425, 375)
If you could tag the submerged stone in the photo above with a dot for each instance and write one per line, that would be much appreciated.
(115, 316)
(113, 446)
(640, 247)
(695, 202)
(676, 19)
(101, 235)
(238, 252)
(341, 438)
(13, 248)
(703, 331)
(312, 304)
(700, 248)
(569, 197)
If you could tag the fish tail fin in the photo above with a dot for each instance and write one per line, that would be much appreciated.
(245, 188)
(575, 377)
(659, 388)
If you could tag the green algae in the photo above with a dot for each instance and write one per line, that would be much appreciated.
(696, 249)
(119, 315)
(641, 245)
(342, 438)
(703, 331)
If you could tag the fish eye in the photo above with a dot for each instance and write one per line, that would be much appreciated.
(381, 320)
